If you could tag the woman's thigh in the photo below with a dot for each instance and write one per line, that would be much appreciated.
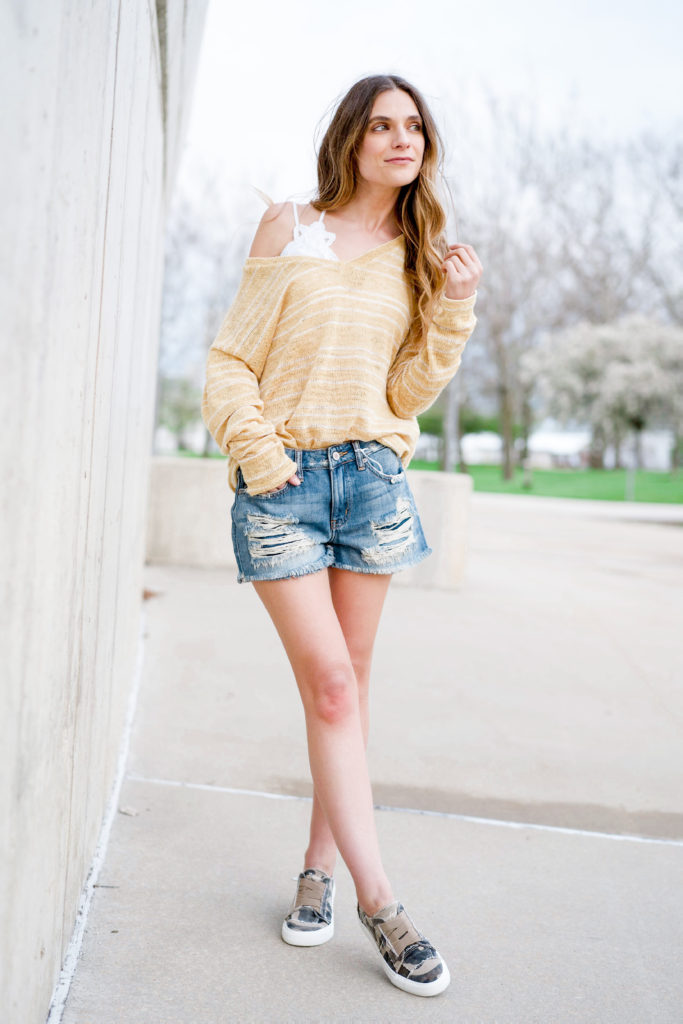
(304, 616)
(358, 600)
(327, 621)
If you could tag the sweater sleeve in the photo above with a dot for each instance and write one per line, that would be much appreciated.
(232, 408)
(423, 367)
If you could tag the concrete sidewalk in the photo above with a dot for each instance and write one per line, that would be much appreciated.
(532, 821)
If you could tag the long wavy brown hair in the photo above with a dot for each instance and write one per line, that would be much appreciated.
(419, 211)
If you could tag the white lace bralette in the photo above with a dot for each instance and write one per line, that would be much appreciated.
(310, 239)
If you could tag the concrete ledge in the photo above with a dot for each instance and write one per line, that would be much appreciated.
(189, 519)
(443, 501)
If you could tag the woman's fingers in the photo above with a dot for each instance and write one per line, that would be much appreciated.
(463, 256)
(461, 265)
(464, 251)
(468, 248)
(463, 270)
(294, 479)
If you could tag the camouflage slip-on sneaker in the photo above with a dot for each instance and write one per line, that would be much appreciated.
(410, 962)
(310, 920)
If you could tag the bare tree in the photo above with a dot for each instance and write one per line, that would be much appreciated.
(501, 211)
(600, 239)
(450, 449)
(658, 163)
(205, 247)
(204, 244)
(567, 233)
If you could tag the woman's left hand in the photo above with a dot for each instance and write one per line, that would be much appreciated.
(463, 271)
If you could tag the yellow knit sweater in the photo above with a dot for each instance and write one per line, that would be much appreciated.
(312, 353)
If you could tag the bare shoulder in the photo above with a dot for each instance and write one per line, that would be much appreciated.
(274, 231)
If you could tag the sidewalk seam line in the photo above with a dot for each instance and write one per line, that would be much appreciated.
(73, 950)
(498, 822)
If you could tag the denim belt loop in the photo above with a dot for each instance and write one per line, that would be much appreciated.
(299, 459)
(357, 451)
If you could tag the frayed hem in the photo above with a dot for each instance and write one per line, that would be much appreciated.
(380, 571)
(305, 570)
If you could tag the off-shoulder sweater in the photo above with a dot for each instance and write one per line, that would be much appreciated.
(313, 352)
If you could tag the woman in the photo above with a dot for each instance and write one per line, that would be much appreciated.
(351, 317)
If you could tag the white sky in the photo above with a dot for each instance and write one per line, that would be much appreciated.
(269, 71)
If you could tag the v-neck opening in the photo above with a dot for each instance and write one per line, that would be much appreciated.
(367, 252)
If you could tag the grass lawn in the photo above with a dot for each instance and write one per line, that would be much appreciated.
(600, 484)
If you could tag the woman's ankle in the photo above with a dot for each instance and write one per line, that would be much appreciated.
(373, 898)
(322, 861)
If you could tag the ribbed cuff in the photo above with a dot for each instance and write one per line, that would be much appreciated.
(263, 474)
(456, 314)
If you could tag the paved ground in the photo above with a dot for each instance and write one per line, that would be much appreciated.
(532, 814)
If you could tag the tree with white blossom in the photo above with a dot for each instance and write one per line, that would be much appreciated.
(617, 378)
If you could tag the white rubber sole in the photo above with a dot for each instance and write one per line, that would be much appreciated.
(416, 988)
(314, 937)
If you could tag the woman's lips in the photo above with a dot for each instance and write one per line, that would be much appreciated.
(400, 160)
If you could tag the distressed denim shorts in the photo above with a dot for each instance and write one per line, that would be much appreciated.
(353, 510)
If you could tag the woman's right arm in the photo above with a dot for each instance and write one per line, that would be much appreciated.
(232, 408)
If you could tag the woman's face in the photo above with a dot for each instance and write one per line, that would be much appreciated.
(392, 150)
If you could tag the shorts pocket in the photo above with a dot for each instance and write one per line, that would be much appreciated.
(274, 494)
(383, 462)
(242, 488)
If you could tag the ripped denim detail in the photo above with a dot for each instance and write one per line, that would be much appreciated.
(394, 535)
(275, 539)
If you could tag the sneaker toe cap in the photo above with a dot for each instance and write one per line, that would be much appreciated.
(427, 974)
(422, 963)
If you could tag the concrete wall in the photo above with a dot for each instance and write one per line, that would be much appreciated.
(94, 98)
(189, 519)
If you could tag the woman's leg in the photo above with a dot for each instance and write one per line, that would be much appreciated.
(305, 617)
(358, 600)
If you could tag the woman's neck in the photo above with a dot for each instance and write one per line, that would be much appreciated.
(371, 209)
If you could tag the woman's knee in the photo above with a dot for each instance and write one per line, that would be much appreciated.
(332, 693)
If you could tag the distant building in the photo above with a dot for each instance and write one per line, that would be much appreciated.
(656, 447)
(551, 447)
(485, 448)
(558, 449)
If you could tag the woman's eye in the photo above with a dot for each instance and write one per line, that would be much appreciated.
(415, 126)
